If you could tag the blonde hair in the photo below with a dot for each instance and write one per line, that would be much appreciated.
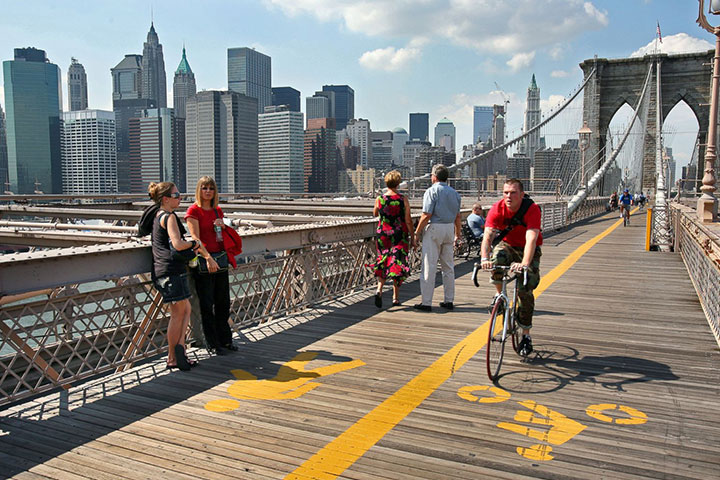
(393, 179)
(159, 190)
(202, 182)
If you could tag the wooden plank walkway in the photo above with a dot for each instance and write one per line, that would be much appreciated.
(624, 383)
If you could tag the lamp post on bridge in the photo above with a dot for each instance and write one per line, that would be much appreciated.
(584, 134)
(707, 204)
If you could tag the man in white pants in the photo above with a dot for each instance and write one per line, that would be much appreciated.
(441, 216)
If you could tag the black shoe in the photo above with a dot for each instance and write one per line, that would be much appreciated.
(497, 298)
(231, 346)
(378, 300)
(218, 351)
(447, 305)
(422, 308)
(181, 358)
(525, 347)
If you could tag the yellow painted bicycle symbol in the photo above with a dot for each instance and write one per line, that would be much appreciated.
(561, 428)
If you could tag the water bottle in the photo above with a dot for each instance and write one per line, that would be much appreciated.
(218, 233)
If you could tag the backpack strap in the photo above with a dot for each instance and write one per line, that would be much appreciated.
(516, 220)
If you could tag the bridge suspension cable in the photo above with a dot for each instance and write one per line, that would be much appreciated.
(580, 196)
(506, 145)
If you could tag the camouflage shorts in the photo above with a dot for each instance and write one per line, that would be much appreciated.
(503, 255)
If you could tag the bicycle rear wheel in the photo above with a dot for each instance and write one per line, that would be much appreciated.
(496, 341)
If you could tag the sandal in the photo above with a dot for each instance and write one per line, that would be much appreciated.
(170, 367)
(181, 358)
(396, 303)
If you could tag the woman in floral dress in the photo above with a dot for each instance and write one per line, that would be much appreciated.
(395, 236)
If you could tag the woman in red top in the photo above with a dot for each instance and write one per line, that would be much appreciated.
(204, 220)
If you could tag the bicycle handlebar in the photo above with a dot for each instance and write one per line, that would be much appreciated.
(499, 268)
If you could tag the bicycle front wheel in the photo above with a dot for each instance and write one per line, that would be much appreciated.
(496, 341)
(514, 330)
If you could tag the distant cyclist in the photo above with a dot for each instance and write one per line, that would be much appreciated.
(625, 201)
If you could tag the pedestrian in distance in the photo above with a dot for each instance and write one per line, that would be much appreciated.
(395, 236)
(440, 228)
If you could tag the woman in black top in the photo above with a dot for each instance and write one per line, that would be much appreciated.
(170, 274)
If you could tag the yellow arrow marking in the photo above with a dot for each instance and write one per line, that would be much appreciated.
(466, 394)
(636, 416)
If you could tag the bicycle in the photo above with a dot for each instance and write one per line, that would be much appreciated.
(625, 213)
(502, 306)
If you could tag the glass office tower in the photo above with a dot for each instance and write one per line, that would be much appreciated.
(250, 73)
(33, 102)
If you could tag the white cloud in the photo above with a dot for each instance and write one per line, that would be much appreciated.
(389, 59)
(488, 26)
(548, 104)
(520, 61)
(678, 43)
(557, 52)
(559, 74)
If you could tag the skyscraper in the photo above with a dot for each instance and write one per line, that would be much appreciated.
(419, 127)
(359, 133)
(381, 145)
(77, 86)
(320, 165)
(250, 73)
(399, 138)
(3, 152)
(344, 104)
(482, 123)
(286, 96)
(127, 103)
(532, 118)
(280, 151)
(445, 135)
(154, 85)
(183, 86)
(319, 106)
(33, 99)
(222, 140)
(88, 152)
(152, 152)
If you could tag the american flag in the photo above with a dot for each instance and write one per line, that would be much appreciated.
(658, 32)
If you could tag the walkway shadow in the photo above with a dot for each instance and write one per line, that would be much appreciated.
(553, 367)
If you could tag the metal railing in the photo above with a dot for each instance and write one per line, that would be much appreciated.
(103, 314)
(699, 246)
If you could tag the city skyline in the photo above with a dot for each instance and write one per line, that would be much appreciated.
(395, 64)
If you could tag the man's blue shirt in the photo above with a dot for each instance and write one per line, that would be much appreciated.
(442, 202)
(476, 224)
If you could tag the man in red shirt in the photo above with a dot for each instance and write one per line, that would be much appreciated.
(520, 249)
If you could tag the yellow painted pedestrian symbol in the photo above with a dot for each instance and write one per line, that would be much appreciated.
(636, 416)
(292, 381)
(466, 393)
(561, 429)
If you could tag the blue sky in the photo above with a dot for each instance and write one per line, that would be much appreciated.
(399, 56)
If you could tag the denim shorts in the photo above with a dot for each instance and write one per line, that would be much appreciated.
(173, 288)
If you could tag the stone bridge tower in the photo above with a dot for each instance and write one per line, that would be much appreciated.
(682, 77)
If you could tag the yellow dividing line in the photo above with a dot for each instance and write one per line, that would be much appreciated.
(349, 446)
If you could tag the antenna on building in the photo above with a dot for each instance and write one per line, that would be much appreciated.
(37, 187)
